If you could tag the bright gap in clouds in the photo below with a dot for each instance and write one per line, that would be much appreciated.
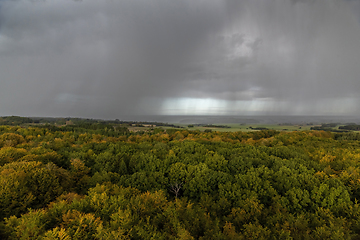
(209, 106)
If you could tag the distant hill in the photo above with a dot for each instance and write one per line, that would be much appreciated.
(15, 120)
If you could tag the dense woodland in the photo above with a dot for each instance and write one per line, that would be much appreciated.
(91, 182)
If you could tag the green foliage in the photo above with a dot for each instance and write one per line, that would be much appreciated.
(91, 180)
(26, 185)
(11, 139)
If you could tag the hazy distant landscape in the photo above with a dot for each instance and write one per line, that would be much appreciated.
(202, 123)
(265, 119)
(213, 119)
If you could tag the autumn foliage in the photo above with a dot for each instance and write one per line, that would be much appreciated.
(58, 183)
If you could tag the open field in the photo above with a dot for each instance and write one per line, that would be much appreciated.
(250, 123)
(234, 127)
(252, 127)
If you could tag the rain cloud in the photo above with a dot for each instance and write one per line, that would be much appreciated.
(107, 59)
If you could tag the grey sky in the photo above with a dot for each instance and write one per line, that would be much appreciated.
(107, 59)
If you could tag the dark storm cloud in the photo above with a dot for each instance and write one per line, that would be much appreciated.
(112, 58)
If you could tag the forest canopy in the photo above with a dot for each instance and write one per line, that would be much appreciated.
(88, 181)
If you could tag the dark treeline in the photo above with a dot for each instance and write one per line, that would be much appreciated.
(84, 182)
(16, 120)
(210, 125)
(332, 127)
(78, 122)
(354, 127)
(258, 128)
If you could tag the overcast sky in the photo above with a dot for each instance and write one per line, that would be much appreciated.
(113, 58)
